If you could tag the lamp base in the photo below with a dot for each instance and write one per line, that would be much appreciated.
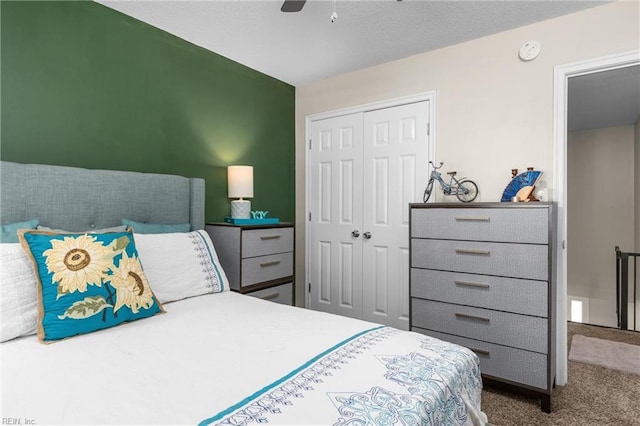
(241, 209)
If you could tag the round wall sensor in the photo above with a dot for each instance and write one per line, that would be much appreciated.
(529, 51)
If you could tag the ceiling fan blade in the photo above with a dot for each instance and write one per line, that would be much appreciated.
(292, 5)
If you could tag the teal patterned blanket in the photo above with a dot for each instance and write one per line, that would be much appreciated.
(380, 376)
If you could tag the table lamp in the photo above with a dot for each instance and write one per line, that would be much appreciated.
(240, 185)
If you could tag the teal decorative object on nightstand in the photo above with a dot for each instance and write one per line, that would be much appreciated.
(265, 221)
(257, 218)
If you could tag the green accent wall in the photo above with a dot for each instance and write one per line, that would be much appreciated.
(83, 85)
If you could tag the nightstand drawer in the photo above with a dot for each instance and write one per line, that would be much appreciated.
(279, 294)
(266, 268)
(259, 242)
(482, 291)
(260, 256)
(515, 225)
(504, 328)
(507, 260)
(508, 363)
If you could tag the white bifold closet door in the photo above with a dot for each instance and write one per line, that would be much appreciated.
(364, 170)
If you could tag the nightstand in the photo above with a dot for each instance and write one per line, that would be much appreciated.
(258, 259)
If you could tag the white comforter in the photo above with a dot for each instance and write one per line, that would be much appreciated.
(232, 359)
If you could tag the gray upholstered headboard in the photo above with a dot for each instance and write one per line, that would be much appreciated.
(78, 199)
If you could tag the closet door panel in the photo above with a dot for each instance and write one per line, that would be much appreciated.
(336, 211)
(395, 154)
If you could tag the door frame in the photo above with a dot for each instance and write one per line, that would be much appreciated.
(372, 106)
(562, 73)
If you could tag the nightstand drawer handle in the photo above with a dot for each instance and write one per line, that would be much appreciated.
(479, 351)
(270, 296)
(473, 219)
(269, 237)
(473, 317)
(470, 284)
(273, 262)
(470, 251)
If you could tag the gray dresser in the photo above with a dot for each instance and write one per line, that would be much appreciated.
(481, 276)
(258, 260)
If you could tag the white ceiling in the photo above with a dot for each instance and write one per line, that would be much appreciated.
(605, 99)
(303, 47)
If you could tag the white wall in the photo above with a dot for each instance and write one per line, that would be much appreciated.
(600, 214)
(494, 112)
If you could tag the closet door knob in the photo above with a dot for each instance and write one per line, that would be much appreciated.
(355, 233)
(367, 235)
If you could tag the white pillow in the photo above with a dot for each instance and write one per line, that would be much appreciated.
(180, 265)
(19, 301)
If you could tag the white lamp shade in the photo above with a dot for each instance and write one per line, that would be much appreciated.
(240, 181)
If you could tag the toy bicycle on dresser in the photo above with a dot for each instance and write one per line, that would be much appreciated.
(466, 190)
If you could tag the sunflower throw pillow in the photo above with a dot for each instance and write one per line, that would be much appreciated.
(87, 282)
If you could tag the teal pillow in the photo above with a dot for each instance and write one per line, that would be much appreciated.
(156, 228)
(87, 282)
(9, 233)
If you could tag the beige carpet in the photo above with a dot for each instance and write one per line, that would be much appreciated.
(606, 353)
(594, 395)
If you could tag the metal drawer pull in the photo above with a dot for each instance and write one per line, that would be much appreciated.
(270, 296)
(470, 284)
(269, 237)
(473, 219)
(273, 262)
(469, 251)
(459, 315)
(479, 351)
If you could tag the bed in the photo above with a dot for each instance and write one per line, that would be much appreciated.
(213, 356)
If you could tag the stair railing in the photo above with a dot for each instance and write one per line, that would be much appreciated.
(622, 288)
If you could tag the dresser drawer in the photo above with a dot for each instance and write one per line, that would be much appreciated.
(504, 328)
(519, 296)
(517, 225)
(282, 293)
(266, 268)
(517, 365)
(259, 242)
(503, 259)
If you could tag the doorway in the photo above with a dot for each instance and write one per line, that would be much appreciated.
(602, 120)
(562, 74)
